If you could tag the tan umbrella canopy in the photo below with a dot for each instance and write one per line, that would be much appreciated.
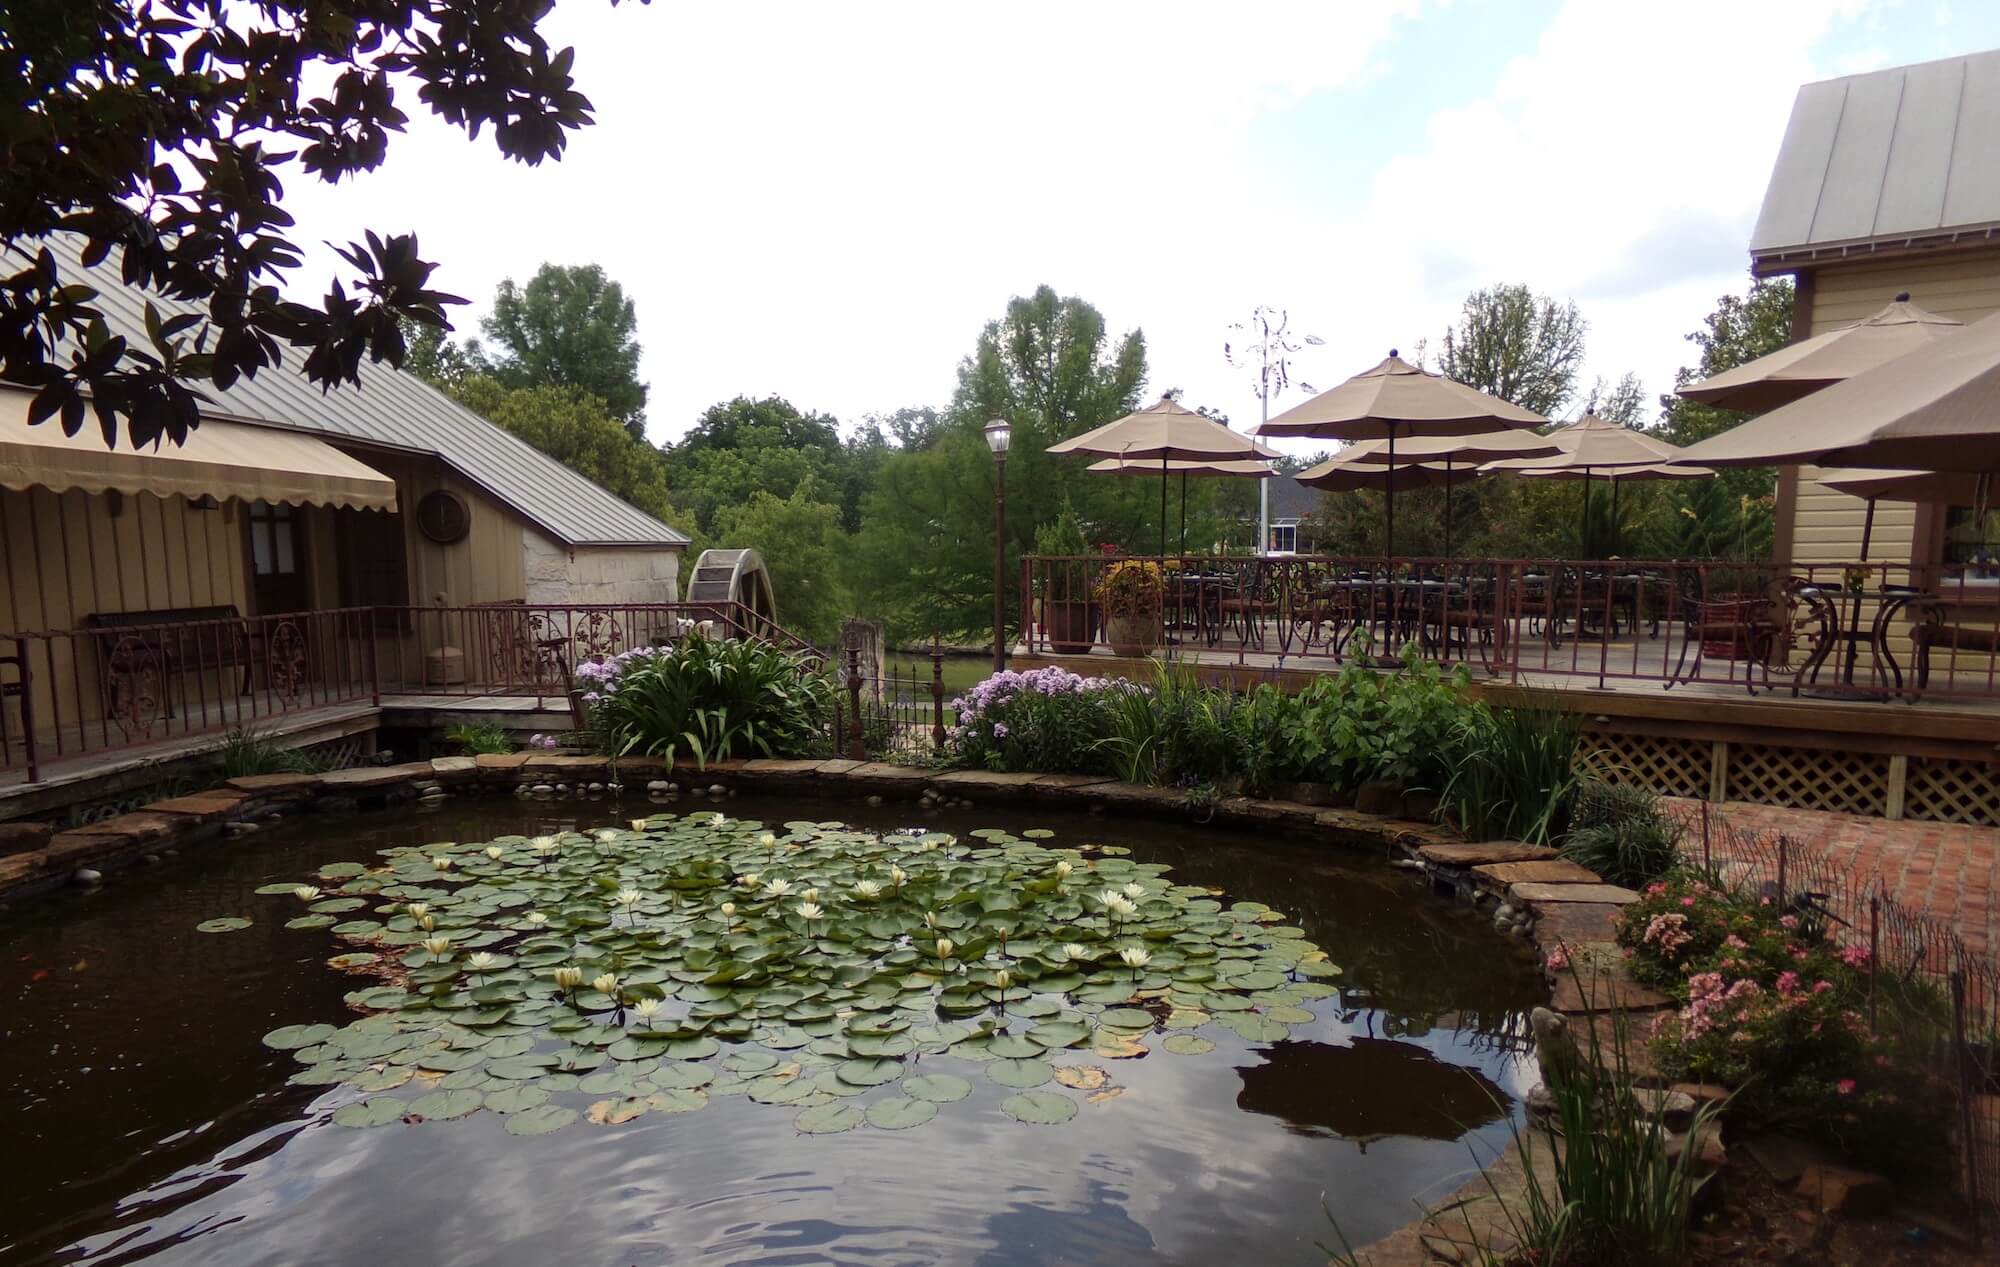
(1803, 368)
(1953, 489)
(1395, 401)
(1161, 434)
(1365, 464)
(1598, 448)
(1936, 408)
(1184, 467)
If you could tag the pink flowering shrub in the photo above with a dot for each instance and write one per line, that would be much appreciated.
(1766, 1006)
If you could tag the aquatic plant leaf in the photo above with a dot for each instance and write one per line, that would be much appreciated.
(940, 1088)
(224, 924)
(1188, 1045)
(377, 1111)
(1041, 1108)
(900, 1114)
(1020, 1073)
(292, 1037)
(540, 1120)
(827, 1119)
(445, 1105)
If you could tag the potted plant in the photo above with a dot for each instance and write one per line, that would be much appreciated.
(1132, 593)
(1065, 605)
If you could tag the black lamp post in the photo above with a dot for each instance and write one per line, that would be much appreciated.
(998, 436)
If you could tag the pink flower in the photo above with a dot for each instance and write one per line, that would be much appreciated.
(1656, 888)
(1788, 981)
(1845, 1086)
(1558, 960)
(1821, 987)
(1687, 901)
(1855, 956)
(1789, 921)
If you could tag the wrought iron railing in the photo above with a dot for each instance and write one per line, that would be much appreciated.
(1875, 630)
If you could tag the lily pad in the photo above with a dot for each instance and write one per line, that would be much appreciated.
(1041, 1108)
(828, 1119)
(540, 1120)
(445, 1105)
(1188, 1045)
(516, 1099)
(293, 1037)
(900, 1114)
(1020, 1073)
(224, 924)
(378, 1111)
(939, 1088)
(1126, 1018)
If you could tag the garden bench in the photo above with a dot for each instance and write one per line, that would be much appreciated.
(141, 649)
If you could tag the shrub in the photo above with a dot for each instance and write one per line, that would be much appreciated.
(472, 740)
(1045, 719)
(1179, 732)
(1619, 831)
(1131, 587)
(1769, 1004)
(1513, 772)
(709, 699)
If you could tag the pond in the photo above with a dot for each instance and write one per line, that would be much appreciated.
(148, 1120)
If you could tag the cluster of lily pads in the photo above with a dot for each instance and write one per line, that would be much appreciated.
(841, 973)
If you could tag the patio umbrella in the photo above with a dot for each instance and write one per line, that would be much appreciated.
(1936, 408)
(1397, 400)
(1598, 448)
(1449, 451)
(1364, 464)
(1161, 434)
(1803, 368)
(1184, 467)
(1954, 489)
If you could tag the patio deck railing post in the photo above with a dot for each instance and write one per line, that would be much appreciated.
(857, 743)
(937, 692)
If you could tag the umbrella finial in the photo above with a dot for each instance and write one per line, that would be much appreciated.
(1902, 296)
(1393, 354)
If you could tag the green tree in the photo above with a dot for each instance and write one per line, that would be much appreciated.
(568, 327)
(804, 549)
(746, 423)
(1520, 346)
(1741, 329)
(161, 131)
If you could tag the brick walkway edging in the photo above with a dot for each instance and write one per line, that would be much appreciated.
(1529, 893)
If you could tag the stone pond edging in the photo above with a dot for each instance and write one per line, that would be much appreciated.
(1529, 893)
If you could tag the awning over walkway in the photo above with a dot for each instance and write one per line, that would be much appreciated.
(220, 460)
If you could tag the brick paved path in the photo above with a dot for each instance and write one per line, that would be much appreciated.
(1948, 870)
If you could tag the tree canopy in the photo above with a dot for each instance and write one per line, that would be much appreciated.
(1520, 346)
(161, 129)
(568, 327)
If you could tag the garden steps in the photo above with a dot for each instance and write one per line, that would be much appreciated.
(368, 777)
(1461, 854)
(454, 770)
(203, 807)
(1535, 891)
(1575, 922)
(1550, 870)
(1599, 978)
(275, 784)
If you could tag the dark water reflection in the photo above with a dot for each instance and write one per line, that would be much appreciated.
(144, 1121)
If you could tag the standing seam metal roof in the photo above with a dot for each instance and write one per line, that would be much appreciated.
(1889, 156)
(398, 411)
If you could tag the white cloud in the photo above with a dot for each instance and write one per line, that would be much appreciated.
(828, 202)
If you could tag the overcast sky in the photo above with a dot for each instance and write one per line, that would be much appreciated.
(826, 202)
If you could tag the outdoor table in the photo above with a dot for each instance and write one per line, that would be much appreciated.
(1838, 611)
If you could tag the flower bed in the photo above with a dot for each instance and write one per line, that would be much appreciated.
(1044, 719)
(1769, 1002)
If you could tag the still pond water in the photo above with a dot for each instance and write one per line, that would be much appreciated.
(144, 1120)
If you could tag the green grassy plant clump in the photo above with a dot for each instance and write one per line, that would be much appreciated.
(1620, 832)
(244, 752)
(1770, 1003)
(1514, 773)
(473, 739)
(709, 699)
(653, 968)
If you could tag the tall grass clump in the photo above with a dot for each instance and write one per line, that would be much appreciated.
(1514, 774)
(1619, 831)
(709, 699)
(245, 752)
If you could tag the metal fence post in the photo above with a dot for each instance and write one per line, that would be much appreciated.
(1707, 861)
(937, 692)
(1783, 850)
(857, 743)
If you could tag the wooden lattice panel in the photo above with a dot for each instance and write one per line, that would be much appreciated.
(1809, 778)
(1666, 764)
(1948, 791)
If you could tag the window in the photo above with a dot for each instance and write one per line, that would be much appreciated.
(373, 568)
(274, 539)
(1284, 539)
(1973, 539)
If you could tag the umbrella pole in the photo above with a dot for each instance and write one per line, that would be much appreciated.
(1447, 505)
(1184, 476)
(1867, 529)
(1389, 532)
(1614, 514)
(1163, 506)
(1583, 520)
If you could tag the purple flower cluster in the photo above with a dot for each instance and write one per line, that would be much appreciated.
(1003, 686)
(601, 675)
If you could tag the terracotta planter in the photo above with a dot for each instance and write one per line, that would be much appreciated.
(1132, 635)
(1071, 625)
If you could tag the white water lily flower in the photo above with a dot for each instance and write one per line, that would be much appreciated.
(427, 922)
(441, 862)
(767, 840)
(809, 910)
(1074, 950)
(1134, 957)
(544, 846)
(867, 890)
(605, 834)
(480, 960)
(1003, 978)
(436, 946)
(605, 984)
(809, 895)
(1064, 868)
(568, 978)
(416, 910)
(1122, 906)
(1108, 896)
(778, 887)
(720, 819)
(305, 893)
(747, 880)
(627, 897)
(638, 824)
(728, 909)
(897, 875)
(647, 1008)
(536, 918)
(945, 947)
(495, 852)
(930, 920)
(1135, 891)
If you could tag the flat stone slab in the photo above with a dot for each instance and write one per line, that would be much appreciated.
(1596, 991)
(455, 769)
(1136, 794)
(502, 760)
(839, 765)
(1576, 922)
(1463, 855)
(1550, 871)
(21, 837)
(639, 765)
(1296, 813)
(784, 768)
(136, 826)
(375, 776)
(567, 765)
(1540, 891)
(270, 784)
(882, 772)
(973, 780)
(202, 805)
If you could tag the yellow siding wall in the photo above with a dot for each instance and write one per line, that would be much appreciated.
(1962, 284)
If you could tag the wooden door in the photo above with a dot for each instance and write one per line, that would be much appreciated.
(279, 581)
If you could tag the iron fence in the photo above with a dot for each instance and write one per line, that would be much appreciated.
(1863, 630)
(893, 713)
(1942, 996)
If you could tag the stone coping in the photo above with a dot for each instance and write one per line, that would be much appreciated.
(1533, 896)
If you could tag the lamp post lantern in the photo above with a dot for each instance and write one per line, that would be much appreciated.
(998, 436)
